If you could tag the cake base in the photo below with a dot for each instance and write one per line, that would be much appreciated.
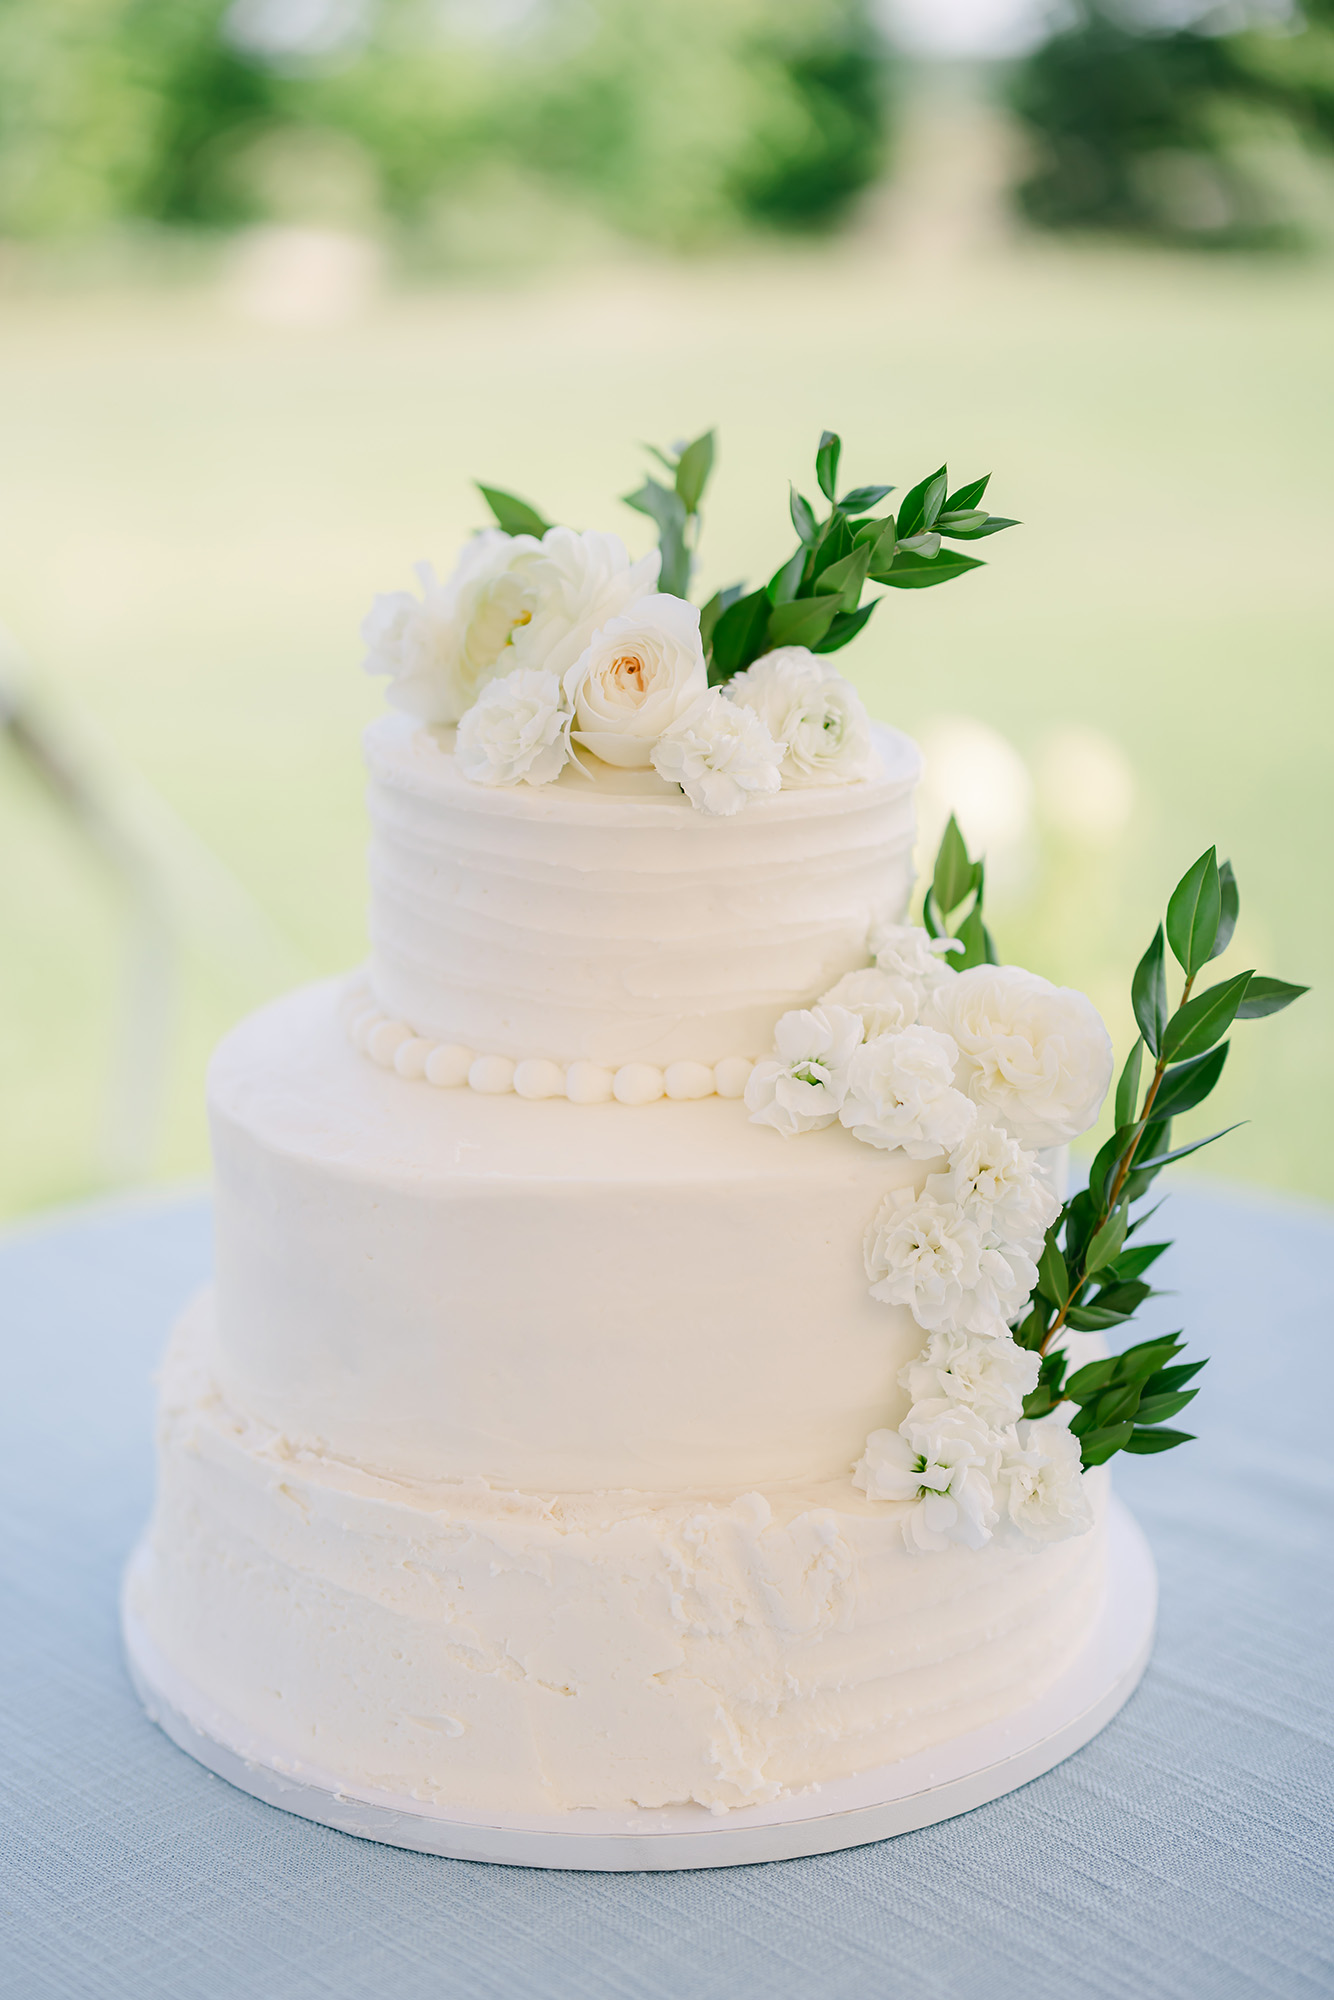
(874, 1805)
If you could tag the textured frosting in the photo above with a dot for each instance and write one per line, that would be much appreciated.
(560, 1297)
(477, 1647)
(602, 917)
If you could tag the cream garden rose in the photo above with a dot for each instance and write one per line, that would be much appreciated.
(516, 731)
(1036, 1057)
(579, 583)
(808, 706)
(638, 674)
(721, 756)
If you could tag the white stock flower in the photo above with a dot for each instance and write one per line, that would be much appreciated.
(997, 1182)
(579, 582)
(720, 755)
(885, 1001)
(1042, 1485)
(806, 704)
(911, 953)
(945, 1467)
(901, 1093)
(802, 1086)
(987, 1375)
(1035, 1056)
(638, 674)
(933, 1257)
(515, 732)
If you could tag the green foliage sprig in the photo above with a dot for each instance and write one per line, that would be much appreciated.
(815, 597)
(675, 508)
(958, 884)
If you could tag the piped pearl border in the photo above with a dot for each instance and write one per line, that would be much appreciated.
(449, 1066)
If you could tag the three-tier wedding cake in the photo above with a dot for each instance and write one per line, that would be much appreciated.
(607, 1391)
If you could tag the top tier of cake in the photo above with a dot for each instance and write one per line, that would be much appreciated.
(602, 917)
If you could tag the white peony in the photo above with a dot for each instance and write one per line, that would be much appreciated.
(1035, 1056)
(638, 675)
(901, 1093)
(912, 953)
(997, 1182)
(720, 755)
(515, 732)
(885, 1001)
(986, 1375)
(944, 1467)
(802, 1086)
(1042, 1484)
(933, 1257)
(806, 704)
(439, 649)
(579, 582)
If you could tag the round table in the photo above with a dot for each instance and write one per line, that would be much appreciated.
(1186, 1851)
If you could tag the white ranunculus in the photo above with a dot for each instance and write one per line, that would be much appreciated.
(1035, 1056)
(637, 675)
(885, 1001)
(806, 704)
(1041, 1482)
(943, 1467)
(720, 755)
(802, 1086)
(997, 1182)
(984, 1374)
(901, 1093)
(932, 1257)
(912, 953)
(579, 583)
(516, 731)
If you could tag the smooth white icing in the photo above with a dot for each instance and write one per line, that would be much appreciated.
(481, 1647)
(602, 918)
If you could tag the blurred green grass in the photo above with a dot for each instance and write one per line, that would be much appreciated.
(195, 511)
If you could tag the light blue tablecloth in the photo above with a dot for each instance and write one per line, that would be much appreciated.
(1187, 1851)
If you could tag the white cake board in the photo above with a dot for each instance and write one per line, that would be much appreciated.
(897, 1798)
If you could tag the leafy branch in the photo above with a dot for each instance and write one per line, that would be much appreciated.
(675, 509)
(958, 884)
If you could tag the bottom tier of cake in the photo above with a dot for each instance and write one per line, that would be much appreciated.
(462, 1645)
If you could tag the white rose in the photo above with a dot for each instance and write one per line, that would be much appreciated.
(912, 953)
(440, 648)
(1042, 1484)
(997, 1182)
(1035, 1056)
(884, 1001)
(637, 675)
(932, 1257)
(802, 1087)
(901, 1093)
(989, 1376)
(943, 1468)
(806, 704)
(720, 755)
(515, 732)
(578, 583)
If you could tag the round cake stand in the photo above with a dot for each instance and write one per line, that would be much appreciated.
(897, 1798)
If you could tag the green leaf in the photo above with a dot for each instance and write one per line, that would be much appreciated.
(1148, 993)
(1094, 1319)
(1087, 1383)
(1120, 1297)
(1157, 1409)
(785, 583)
(954, 876)
(1053, 1278)
(913, 516)
(826, 463)
(1189, 1083)
(1199, 1024)
(863, 498)
(846, 626)
(803, 622)
(846, 578)
(1117, 1404)
(970, 495)
(1267, 996)
(515, 516)
(668, 510)
(1098, 1446)
(913, 572)
(994, 524)
(976, 939)
(1193, 910)
(721, 601)
(1132, 1263)
(1180, 1153)
(1150, 1441)
(1138, 1363)
(739, 636)
(836, 541)
(1230, 904)
(692, 472)
(960, 523)
(1167, 1380)
(1107, 1159)
(1127, 1090)
(803, 515)
(1031, 1332)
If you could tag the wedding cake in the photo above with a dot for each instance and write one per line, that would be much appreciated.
(609, 1392)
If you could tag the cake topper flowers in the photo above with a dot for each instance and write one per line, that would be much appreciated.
(547, 647)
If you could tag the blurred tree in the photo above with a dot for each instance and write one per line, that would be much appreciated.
(675, 121)
(1152, 130)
